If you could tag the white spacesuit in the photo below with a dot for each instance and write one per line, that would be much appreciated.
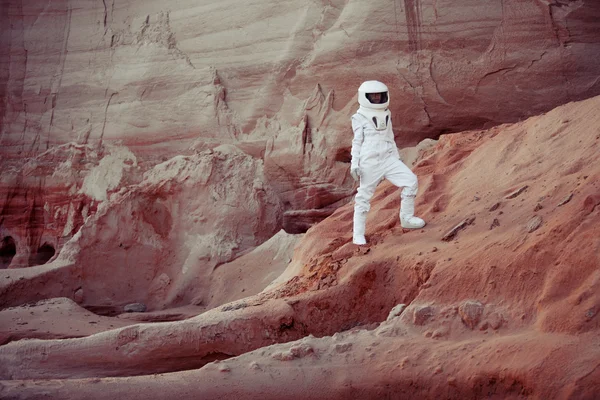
(375, 156)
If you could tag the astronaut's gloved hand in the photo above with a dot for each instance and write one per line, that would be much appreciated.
(355, 172)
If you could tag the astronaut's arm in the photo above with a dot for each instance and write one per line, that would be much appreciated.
(393, 140)
(357, 142)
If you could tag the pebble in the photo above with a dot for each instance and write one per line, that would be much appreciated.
(534, 223)
(495, 223)
(396, 311)
(454, 231)
(224, 368)
(422, 314)
(565, 200)
(517, 192)
(470, 312)
(495, 207)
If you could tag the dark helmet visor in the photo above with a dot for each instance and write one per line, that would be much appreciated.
(377, 98)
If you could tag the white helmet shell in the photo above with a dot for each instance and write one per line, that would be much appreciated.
(373, 87)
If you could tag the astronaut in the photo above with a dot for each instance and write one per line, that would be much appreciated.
(375, 156)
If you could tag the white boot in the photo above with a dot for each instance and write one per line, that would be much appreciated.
(360, 221)
(407, 214)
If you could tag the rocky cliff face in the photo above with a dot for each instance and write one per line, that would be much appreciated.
(152, 72)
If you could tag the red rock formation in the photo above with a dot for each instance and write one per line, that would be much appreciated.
(491, 312)
(158, 242)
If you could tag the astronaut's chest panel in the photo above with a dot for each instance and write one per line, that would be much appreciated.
(371, 132)
(380, 123)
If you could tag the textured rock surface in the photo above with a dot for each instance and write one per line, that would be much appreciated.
(56, 318)
(155, 72)
(159, 241)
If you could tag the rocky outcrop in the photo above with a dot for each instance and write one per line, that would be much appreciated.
(159, 241)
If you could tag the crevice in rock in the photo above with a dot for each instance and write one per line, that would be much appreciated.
(43, 254)
(537, 60)
(413, 24)
(105, 117)
(503, 71)
(105, 15)
(8, 250)
(435, 83)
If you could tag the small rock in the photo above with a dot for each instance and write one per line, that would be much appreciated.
(283, 356)
(440, 332)
(422, 314)
(495, 223)
(591, 313)
(301, 350)
(198, 300)
(516, 192)
(78, 296)
(454, 231)
(135, 307)
(523, 317)
(538, 207)
(404, 362)
(495, 207)
(254, 365)
(565, 200)
(470, 312)
(396, 311)
(342, 347)
(233, 307)
(495, 320)
(224, 368)
(434, 249)
(534, 223)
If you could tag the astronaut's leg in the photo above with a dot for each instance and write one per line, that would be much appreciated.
(369, 179)
(400, 175)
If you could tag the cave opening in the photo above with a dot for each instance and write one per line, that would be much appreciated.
(44, 253)
(8, 249)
